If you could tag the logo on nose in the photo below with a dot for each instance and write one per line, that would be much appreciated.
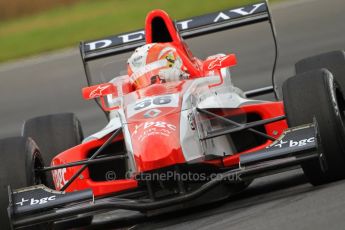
(152, 113)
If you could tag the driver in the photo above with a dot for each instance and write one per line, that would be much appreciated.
(155, 63)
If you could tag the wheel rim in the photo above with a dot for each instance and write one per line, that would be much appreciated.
(38, 177)
(341, 104)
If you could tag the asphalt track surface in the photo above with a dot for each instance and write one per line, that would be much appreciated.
(51, 84)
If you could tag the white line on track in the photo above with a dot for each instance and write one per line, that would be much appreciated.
(291, 3)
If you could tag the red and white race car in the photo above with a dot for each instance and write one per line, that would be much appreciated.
(173, 140)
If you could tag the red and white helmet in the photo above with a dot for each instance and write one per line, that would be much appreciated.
(154, 63)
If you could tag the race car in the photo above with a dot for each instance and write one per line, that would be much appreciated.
(180, 134)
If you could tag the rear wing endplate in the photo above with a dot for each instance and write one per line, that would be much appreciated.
(188, 28)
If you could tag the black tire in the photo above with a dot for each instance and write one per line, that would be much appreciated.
(54, 134)
(316, 94)
(19, 158)
(334, 61)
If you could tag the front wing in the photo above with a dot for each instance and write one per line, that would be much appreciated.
(35, 205)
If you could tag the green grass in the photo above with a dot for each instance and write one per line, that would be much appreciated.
(66, 26)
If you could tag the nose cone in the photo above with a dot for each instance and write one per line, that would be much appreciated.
(158, 151)
(156, 143)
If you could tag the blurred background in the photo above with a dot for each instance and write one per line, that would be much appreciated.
(35, 26)
(18, 8)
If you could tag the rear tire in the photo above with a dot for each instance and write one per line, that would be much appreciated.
(20, 157)
(334, 61)
(316, 94)
(54, 134)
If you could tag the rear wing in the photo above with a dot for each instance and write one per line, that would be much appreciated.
(187, 28)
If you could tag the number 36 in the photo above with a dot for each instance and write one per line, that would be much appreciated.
(162, 100)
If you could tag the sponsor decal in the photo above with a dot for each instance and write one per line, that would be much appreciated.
(217, 62)
(138, 61)
(99, 44)
(21, 203)
(196, 22)
(159, 124)
(152, 113)
(132, 37)
(160, 128)
(125, 38)
(98, 91)
(292, 143)
(42, 200)
(33, 201)
(59, 177)
(184, 24)
(243, 11)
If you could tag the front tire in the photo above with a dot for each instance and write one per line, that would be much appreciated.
(316, 94)
(20, 157)
(54, 134)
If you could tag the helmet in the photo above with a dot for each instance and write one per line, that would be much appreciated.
(150, 64)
